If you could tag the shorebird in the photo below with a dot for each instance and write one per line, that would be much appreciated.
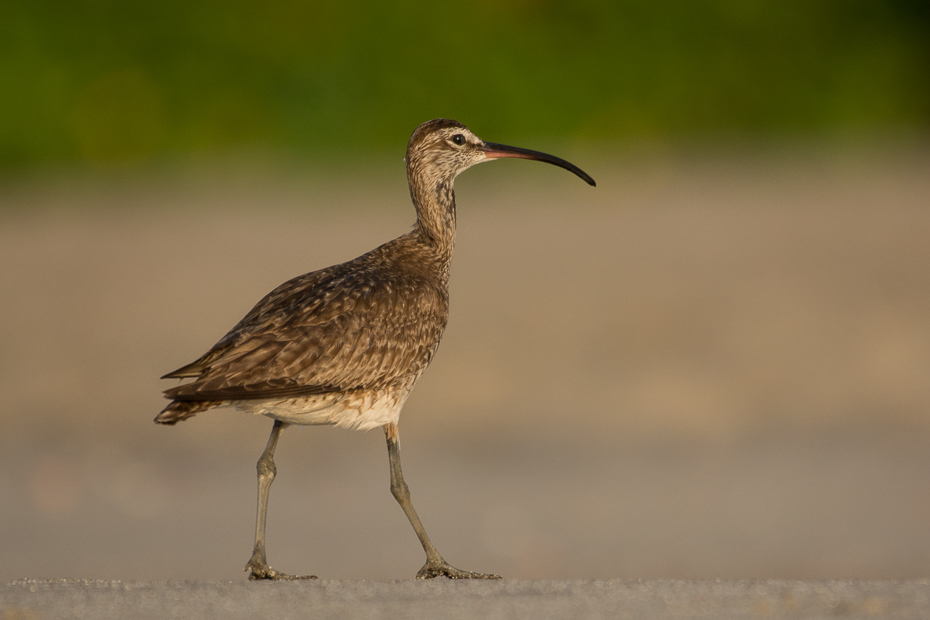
(345, 345)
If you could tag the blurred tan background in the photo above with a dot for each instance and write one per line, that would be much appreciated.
(715, 364)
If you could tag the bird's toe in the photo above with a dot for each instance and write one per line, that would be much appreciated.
(431, 570)
(258, 572)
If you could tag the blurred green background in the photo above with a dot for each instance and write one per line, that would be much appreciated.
(102, 81)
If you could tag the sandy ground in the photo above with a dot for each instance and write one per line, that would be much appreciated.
(539, 600)
(708, 366)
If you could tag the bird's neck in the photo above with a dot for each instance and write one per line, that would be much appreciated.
(434, 199)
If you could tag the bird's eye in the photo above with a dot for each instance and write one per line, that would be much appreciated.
(458, 139)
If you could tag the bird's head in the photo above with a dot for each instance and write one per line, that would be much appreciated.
(441, 149)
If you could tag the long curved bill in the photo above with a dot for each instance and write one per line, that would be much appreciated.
(498, 151)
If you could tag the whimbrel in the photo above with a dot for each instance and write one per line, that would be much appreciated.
(345, 345)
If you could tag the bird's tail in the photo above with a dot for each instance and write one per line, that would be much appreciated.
(181, 410)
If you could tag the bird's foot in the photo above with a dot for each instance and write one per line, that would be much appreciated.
(260, 570)
(441, 568)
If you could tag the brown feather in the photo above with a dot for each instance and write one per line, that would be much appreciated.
(371, 323)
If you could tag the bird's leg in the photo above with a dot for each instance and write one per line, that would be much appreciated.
(435, 566)
(257, 565)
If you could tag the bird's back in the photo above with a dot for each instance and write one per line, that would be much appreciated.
(370, 324)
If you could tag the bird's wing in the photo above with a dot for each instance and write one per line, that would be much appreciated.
(314, 334)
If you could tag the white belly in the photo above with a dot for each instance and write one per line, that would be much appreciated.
(361, 410)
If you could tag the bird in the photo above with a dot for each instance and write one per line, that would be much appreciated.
(345, 345)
